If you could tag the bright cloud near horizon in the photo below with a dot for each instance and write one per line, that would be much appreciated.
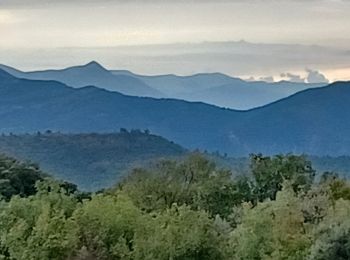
(36, 34)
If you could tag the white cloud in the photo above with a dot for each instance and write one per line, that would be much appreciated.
(315, 76)
(267, 79)
(292, 77)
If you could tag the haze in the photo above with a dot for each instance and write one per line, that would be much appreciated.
(174, 36)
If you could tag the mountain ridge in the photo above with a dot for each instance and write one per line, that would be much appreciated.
(212, 88)
(91, 73)
(314, 121)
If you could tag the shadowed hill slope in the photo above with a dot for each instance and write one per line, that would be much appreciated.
(93, 161)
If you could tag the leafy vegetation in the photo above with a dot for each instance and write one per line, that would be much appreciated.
(95, 161)
(179, 210)
(17, 178)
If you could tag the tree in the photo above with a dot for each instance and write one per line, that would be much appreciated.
(17, 178)
(40, 226)
(272, 230)
(107, 226)
(270, 173)
(178, 233)
(339, 188)
(196, 182)
(332, 236)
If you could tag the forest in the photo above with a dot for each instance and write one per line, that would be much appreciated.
(188, 209)
(90, 160)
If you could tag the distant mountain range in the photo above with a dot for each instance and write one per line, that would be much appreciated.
(213, 88)
(222, 90)
(91, 74)
(314, 121)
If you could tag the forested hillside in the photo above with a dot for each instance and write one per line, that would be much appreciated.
(92, 161)
(95, 161)
(314, 122)
(189, 210)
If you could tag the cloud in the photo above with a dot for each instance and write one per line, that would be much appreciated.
(42, 3)
(315, 76)
(250, 79)
(8, 18)
(267, 79)
(293, 77)
(232, 58)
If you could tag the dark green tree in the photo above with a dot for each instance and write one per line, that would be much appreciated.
(17, 178)
(196, 182)
(270, 172)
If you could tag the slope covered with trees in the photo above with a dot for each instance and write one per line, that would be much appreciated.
(186, 210)
(92, 161)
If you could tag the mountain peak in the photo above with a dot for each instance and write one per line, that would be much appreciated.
(94, 65)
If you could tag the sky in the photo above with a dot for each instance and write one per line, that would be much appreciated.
(239, 37)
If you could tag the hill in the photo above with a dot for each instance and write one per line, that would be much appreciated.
(314, 121)
(92, 161)
(32, 105)
(212, 88)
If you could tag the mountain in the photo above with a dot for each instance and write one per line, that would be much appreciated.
(90, 74)
(314, 121)
(221, 90)
(212, 88)
(174, 85)
(93, 161)
(34, 105)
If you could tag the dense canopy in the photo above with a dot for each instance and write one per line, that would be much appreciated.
(178, 210)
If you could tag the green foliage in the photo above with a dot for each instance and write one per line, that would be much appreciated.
(339, 188)
(196, 182)
(332, 236)
(272, 230)
(270, 173)
(188, 210)
(40, 226)
(17, 178)
(107, 225)
(178, 233)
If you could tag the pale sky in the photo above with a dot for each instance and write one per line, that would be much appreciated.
(68, 32)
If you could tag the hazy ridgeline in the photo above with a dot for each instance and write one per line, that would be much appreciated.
(212, 88)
